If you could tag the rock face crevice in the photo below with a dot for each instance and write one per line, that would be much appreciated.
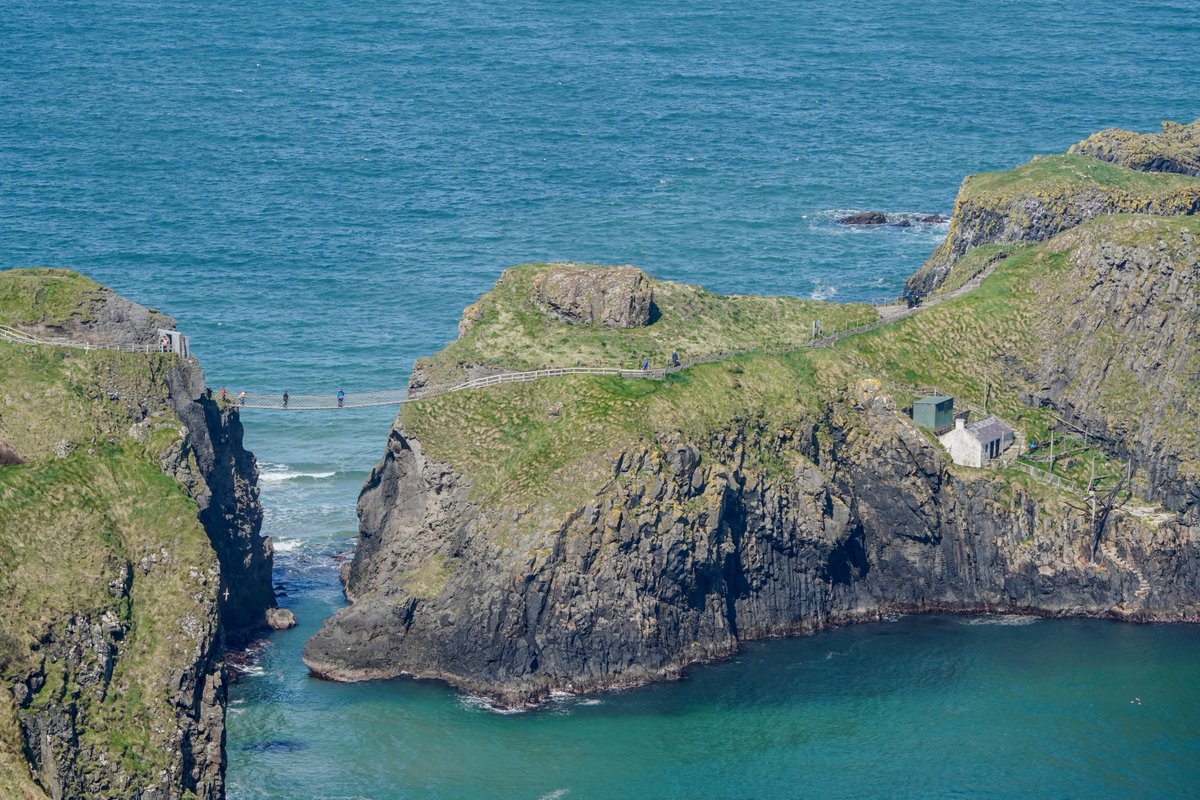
(690, 550)
(225, 486)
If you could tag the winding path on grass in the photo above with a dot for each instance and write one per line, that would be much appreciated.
(273, 400)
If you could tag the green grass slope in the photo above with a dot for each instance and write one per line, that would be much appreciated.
(550, 442)
(77, 526)
(511, 332)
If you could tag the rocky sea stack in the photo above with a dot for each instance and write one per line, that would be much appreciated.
(133, 554)
(590, 532)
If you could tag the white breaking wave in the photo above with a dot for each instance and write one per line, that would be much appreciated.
(274, 475)
(483, 704)
(285, 545)
(824, 293)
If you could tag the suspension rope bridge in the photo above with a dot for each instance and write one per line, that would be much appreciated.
(274, 400)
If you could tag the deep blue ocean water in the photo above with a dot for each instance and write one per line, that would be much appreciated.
(315, 190)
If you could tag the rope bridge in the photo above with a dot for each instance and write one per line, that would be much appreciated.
(392, 397)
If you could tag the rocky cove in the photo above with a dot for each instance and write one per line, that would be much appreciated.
(587, 536)
(588, 533)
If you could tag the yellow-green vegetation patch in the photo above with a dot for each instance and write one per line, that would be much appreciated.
(429, 579)
(70, 532)
(54, 394)
(1072, 172)
(958, 345)
(511, 332)
(558, 438)
(44, 296)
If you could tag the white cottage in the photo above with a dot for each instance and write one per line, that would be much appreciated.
(976, 444)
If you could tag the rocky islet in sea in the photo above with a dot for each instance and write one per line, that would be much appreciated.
(585, 533)
(626, 537)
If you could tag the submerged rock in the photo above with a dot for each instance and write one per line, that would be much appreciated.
(864, 218)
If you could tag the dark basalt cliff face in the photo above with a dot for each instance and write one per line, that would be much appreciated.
(1120, 362)
(686, 552)
(222, 477)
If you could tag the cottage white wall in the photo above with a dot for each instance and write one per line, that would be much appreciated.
(964, 448)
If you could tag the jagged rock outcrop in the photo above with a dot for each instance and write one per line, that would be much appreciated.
(1175, 149)
(1052, 194)
(689, 549)
(1036, 216)
(107, 318)
(222, 477)
(615, 297)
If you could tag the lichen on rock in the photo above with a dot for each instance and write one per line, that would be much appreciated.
(615, 297)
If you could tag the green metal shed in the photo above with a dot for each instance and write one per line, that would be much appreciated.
(935, 412)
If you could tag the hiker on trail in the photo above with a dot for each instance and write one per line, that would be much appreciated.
(674, 358)
(165, 343)
(224, 396)
(341, 397)
(646, 364)
(241, 398)
(285, 398)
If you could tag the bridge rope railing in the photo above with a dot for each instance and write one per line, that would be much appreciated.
(11, 334)
(274, 400)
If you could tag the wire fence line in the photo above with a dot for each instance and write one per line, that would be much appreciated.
(274, 400)
(11, 334)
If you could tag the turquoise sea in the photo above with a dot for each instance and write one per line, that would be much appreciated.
(316, 189)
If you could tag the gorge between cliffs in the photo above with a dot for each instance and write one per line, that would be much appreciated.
(611, 527)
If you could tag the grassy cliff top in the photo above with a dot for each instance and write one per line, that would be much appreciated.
(1073, 172)
(511, 331)
(92, 529)
(536, 442)
(45, 296)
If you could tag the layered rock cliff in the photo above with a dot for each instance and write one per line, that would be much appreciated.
(1175, 149)
(133, 553)
(590, 532)
(1109, 173)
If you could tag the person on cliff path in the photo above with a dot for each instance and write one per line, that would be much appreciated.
(241, 398)
(674, 358)
(341, 397)
(646, 364)
(224, 396)
(285, 398)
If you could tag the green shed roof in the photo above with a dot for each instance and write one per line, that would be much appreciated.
(932, 400)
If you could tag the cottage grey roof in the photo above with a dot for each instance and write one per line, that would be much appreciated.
(989, 429)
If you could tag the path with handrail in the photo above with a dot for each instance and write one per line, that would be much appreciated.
(391, 397)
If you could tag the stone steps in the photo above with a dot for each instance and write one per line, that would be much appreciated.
(1110, 552)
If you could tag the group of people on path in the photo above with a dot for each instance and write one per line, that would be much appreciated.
(674, 363)
(241, 398)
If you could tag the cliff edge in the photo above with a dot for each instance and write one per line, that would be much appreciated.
(131, 540)
(591, 532)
